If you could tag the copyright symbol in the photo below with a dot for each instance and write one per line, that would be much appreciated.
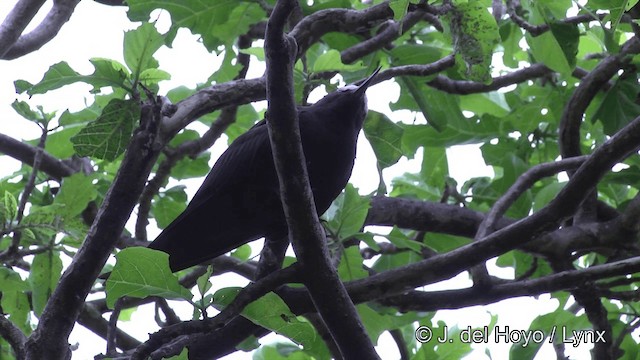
(423, 334)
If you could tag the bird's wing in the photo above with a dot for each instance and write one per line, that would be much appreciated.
(221, 214)
(246, 156)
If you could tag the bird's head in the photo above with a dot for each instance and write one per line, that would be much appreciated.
(349, 100)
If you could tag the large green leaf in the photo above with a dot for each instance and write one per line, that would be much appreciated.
(562, 39)
(619, 106)
(168, 205)
(43, 278)
(218, 22)
(433, 104)
(139, 46)
(75, 193)
(271, 312)
(475, 33)
(351, 267)
(459, 132)
(141, 272)
(107, 137)
(385, 138)
(346, 215)
(107, 73)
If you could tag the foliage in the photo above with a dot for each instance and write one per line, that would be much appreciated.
(523, 83)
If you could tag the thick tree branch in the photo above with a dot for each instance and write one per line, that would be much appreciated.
(569, 130)
(66, 302)
(246, 296)
(26, 154)
(305, 232)
(44, 32)
(522, 184)
(461, 298)
(16, 21)
(391, 31)
(313, 27)
(271, 259)
(444, 266)
(13, 336)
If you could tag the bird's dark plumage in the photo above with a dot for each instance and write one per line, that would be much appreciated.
(239, 200)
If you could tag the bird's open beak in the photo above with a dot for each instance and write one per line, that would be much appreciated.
(365, 84)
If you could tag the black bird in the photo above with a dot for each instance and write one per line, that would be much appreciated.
(239, 200)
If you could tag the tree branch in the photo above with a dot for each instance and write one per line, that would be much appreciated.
(26, 154)
(13, 336)
(391, 31)
(43, 33)
(16, 21)
(522, 184)
(569, 128)
(444, 266)
(92, 319)
(66, 302)
(327, 291)
(246, 296)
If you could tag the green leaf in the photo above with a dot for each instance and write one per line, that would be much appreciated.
(16, 305)
(188, 168)
(245, 119)
(271, 312)
(203, 282)
(45, 273)
(399, 8)
(347, 213)
(57, 76)
(492, 103)
(107, 137)
(433, 103)
(385, 138)
(351, 267)
(402, 241)
(141, 272)
(10, 206)
(379, 319)
(551, 324)
(75, 193)
(23, 109)
(330, 61)
(139, 46)
(475, 33)
(151, 77)
(184, 355)
(619, 106)
(238, 21)
(435, 167)
(208, 19)
(107, 73)
(243, 252)
(11, 280)
(229, 69)
(81, 117)
(442, 243)
(408, 54)
(393, 261)
(568, 37)
(166, 208)
(562, 39)
(59, 143)
(546, 194)
(22, 86)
